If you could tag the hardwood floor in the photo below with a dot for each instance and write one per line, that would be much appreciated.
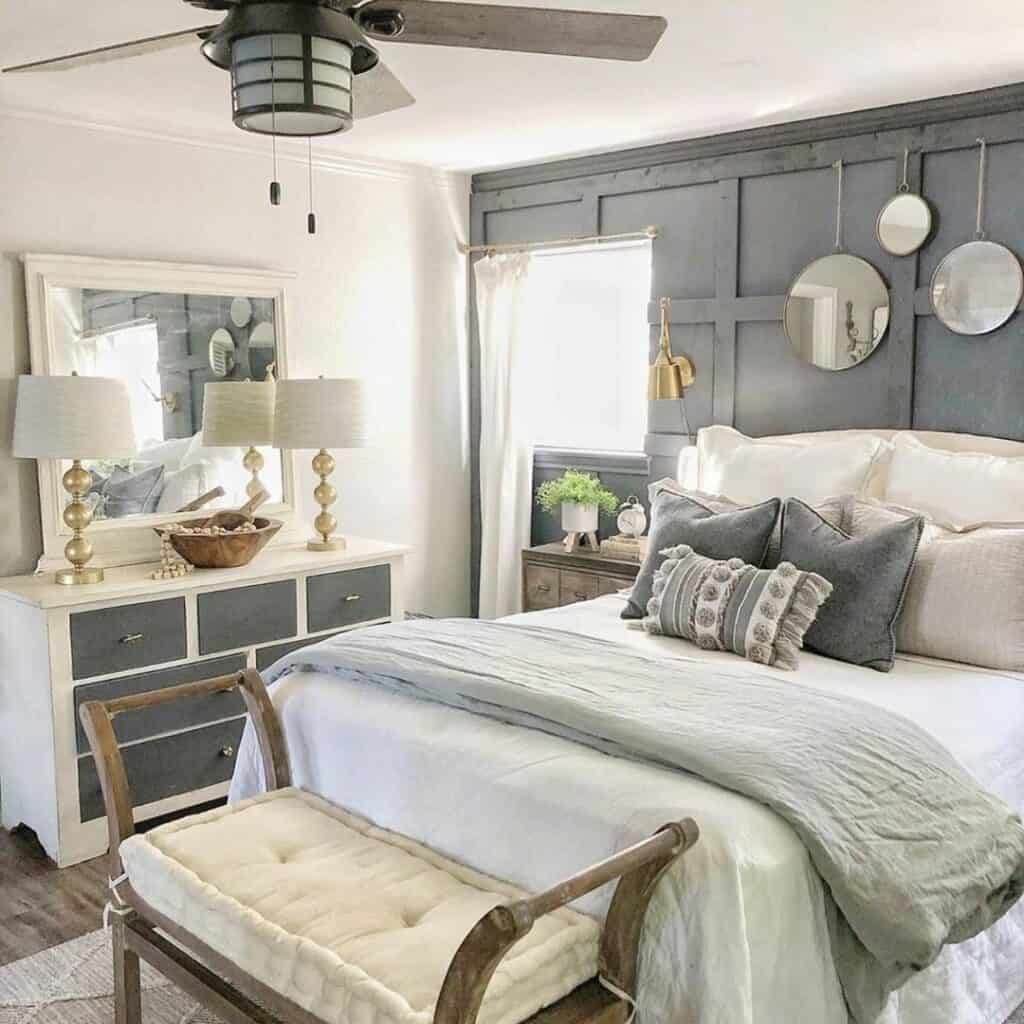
(41, 906)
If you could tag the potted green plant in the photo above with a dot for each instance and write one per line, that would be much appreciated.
(581, 496)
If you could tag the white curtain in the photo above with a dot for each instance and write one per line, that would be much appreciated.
(506, 453)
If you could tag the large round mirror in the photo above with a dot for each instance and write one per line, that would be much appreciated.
(221, 352)
(977, 287)
(904, 224)
(837, 312)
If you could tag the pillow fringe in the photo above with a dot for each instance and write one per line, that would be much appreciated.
(810, 594)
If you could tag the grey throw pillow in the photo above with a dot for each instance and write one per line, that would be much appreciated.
(869, 576)
(127, 494)
(677, 519)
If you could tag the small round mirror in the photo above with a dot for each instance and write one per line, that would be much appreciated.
(221, 352)
(837, 312)
(977, 287)
(904, 224)
(241, 311)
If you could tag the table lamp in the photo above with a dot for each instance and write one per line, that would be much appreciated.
(74, 418)
(240, 414)
(321, 414)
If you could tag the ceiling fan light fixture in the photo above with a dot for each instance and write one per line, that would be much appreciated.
(285, 84)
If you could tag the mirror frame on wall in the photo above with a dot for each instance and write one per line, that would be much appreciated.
(121, 542)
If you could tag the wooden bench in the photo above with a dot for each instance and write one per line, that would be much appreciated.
(241, 997)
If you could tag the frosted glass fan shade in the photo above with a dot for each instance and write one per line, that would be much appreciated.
(290, 84)
(320, 414)
(238, 413)
(73, 418)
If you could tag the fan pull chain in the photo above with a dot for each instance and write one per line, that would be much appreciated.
(275, 185)
(311, 219)
(979, 231)
(838, 165)
(905, 184)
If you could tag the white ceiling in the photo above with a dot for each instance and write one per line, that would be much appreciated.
(720, 66)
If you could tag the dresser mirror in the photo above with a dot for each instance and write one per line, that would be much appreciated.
(837, 312)
(165, 330)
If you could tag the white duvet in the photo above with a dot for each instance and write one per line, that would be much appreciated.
(740, 936)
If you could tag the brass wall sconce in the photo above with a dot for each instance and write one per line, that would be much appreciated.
(169, 400)
(669, 375)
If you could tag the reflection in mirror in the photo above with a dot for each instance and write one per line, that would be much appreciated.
(904, 224)
(837, 312)
(160, 345)
(977, 287)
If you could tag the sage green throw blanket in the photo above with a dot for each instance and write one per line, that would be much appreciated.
(912, 851)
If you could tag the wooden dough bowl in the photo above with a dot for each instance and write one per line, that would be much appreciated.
(225, 550)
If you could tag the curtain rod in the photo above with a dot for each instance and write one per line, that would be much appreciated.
(559, 243)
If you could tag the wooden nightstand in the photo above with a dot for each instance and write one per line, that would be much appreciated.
(552, 577)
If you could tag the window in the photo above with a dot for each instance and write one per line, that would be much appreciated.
(586, 346)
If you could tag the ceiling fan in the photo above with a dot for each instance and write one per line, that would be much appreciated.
(309, 67)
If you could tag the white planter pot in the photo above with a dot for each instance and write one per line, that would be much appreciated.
(578, 518)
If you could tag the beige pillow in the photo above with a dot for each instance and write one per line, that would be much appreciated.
(964, 488)
(750, 470)
(965, 601)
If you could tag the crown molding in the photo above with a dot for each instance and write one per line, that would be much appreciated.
(331, 163)
(1004, 99)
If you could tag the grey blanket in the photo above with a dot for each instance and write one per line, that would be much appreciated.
(912, 851)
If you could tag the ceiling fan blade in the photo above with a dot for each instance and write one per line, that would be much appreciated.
(119, 51)
(378, 91)
(529, 29)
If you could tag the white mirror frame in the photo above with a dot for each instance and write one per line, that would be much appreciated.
(118, 542)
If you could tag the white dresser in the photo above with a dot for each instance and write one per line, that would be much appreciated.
(62, 645)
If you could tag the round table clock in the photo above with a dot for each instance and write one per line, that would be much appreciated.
(632, 519)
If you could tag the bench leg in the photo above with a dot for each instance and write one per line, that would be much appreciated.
(127, 983)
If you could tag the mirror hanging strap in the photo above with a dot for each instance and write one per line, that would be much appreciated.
(979, 231)
(838, 165)
(905, 183)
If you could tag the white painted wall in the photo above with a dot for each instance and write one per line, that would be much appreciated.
(380, 294)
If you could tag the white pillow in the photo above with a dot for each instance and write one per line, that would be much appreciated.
(169, 453)
(183, 486)
(959, 488)
(750, 470)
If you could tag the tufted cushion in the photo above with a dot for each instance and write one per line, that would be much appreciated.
(355, 924)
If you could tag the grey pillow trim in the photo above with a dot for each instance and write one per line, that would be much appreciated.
(877, 665)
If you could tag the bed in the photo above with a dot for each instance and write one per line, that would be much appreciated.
(743, 938)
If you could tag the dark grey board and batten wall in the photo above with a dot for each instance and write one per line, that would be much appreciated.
(740, 214)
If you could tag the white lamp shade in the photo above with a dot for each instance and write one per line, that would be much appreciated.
(320, 414)
(238, 412)
(73, 418)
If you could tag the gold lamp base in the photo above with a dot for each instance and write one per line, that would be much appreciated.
(77, 514)
(325, 495)
(71, 577)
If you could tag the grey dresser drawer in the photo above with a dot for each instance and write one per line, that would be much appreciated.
(182, 714)
(338, 599)
(127, 636)
(266, 656)
(246, 615)
(166, 767)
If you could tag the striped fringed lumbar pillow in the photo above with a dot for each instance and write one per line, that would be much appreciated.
(761, 614)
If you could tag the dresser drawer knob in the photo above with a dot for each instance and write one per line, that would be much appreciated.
(131, 639)
(543, 588)
(580, 596)
(227, 751)
(353, 597)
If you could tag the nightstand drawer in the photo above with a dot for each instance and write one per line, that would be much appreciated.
(246, 615)
(541, 588)
(338, 599)
(182, 714)
(612, 584)
(168, 766)
(576, 586)
(127, 636)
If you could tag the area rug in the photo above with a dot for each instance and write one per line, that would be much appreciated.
(72, 984)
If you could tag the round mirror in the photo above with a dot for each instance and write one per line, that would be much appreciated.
(221, 352)
(241, 311)
(977, 287)
(904, 224)
(837, 312)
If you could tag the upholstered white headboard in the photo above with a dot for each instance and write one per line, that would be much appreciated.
(687, 474)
